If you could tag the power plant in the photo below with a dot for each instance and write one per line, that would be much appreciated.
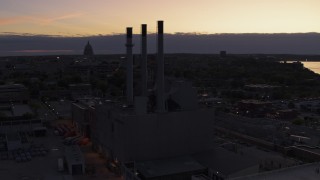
(155, 123)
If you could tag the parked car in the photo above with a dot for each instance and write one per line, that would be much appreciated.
(71, 140)
(76, 140)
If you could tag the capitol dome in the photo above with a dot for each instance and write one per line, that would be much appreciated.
(88, 51)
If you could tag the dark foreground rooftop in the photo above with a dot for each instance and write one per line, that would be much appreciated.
(304, 172)
(157, 168)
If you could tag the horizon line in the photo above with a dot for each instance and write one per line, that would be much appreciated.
(3, 34)
(171, 53)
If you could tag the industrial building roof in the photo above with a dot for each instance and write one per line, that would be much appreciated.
(303, 172)
(225, 162)
(21, 109)
(228, 162)
(165, 167)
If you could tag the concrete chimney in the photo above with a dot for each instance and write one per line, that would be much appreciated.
(160, 70)
(129, 68)
(144, 71)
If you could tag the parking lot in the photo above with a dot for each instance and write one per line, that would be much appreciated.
(38, 160)
(25, 154)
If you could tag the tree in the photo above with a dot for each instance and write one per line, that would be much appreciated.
(102, 85)
(291, 105)
(297, 121)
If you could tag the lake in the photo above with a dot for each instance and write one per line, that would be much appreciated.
(313, 66)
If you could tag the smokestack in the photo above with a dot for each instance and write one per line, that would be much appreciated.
(129, 45)
(144, 71)
(160, 70)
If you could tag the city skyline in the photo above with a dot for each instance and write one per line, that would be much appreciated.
(87, 18)
(298, 43)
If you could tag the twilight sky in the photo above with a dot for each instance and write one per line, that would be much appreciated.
(93, 17)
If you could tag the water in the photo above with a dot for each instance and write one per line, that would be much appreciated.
(313, 66)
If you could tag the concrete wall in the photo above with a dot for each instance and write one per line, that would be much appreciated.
(80, 116)
(102, 135)
(153, 136)
(79, 113)
(123, 135)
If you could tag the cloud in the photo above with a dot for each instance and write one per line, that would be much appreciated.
(42, 51)
(11, 20)
(38, 20)
(45, 21)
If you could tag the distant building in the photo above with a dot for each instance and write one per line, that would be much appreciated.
(15, 113)
(287, 114)
(260, 87)
(88, 50)
(80, 90)
(23, 68)
(254, 108)
(14, 93)
(102, 69)
(223, 54)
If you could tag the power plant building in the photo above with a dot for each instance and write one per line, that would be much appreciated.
(158, 123)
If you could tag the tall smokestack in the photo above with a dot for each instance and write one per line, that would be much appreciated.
(160, 70)
(129, 45)
(144, 71)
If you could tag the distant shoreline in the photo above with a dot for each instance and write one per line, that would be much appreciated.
(276, 57)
